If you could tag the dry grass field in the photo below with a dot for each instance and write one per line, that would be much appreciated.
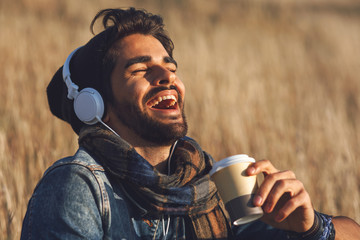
(272, 79)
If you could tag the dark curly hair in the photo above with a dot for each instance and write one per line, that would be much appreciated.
(126, 22)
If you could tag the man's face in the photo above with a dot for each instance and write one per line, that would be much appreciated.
(148, 96)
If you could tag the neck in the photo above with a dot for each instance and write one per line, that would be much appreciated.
(156, 156)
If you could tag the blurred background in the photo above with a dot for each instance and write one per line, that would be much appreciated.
(269, 78)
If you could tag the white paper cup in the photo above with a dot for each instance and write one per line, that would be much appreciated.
(236, 188)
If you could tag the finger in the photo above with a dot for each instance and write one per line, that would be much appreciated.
(268, 184)
(264, 166)
(302, 199)
(290, 186)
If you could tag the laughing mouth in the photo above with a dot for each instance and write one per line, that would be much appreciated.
(164, 102)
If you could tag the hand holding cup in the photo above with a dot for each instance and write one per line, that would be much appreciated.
(285, 202)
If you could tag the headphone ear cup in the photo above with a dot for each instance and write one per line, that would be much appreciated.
(89, 106)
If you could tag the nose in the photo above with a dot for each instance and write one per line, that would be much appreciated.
(164, 76)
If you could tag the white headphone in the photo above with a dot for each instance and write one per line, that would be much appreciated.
(88, 103)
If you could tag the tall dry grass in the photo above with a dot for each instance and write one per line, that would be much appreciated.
(271, 79)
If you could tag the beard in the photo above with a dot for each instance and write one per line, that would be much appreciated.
(148, 128)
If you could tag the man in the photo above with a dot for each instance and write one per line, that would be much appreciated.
(136, 175)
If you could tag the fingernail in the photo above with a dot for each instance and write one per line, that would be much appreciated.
(251, 170)
(279, 217)
(267, 208)
(257, 200)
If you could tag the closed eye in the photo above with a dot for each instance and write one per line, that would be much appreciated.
(171, 67)
(140, 70)
(172, 70)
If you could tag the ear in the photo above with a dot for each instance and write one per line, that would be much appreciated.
(106, 118)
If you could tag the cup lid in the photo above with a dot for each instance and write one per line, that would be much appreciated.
(229, 161)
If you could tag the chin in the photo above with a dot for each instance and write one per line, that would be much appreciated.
(166, 135)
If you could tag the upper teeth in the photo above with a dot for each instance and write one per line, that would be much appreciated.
(160, 99)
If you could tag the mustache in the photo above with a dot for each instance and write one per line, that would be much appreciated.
(155, 91)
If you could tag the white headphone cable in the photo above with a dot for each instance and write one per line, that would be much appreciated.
(108, 127)
(170, 155)
(165, 232)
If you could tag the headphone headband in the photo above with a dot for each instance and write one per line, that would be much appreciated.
(72, 87)
(88, 103)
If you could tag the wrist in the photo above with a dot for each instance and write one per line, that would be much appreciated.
(314, 228)
(322, 229)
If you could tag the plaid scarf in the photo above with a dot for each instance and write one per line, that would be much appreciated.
(187, 192)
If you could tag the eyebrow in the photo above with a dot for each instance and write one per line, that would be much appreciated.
(144, 59)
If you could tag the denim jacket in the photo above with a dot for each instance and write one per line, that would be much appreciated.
(76, 199)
